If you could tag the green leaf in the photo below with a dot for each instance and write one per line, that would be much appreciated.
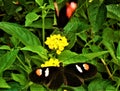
(30, 17)
(71, 27)
(70, 32)
(3, 83)
(83, 26)
(18, 9)
(117, 36)
(7, 59)
(110, 47)
(118, 51)
(14, 41)
(14, 87)
(68, 57)
(5, 47)
(110, 88)
(95, 48)
(100, 85)
(81, 88)
(38, 23)
(35, 87)
(91, 56)
(10, 7)
(83, 36)
(113, 11)
(25, 36)
(108, 42)
(41, 51)
(72, 38)
(117, 79)
(39, 2)
(19, 78)
(51, 4)
(97, 15)
(108, 32)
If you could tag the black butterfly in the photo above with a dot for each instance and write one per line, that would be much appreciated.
(65, 12)
(71, 75)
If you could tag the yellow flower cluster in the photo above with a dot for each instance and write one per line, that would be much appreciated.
(56, 42)
(51, 62)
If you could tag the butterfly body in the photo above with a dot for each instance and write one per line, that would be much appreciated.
(72, 75)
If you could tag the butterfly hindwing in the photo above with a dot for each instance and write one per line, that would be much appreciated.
(83, 70)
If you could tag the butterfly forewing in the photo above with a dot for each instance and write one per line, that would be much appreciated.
(52, 77)
(83, 70)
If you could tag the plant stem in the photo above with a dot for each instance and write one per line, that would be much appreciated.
(25, 67)
(109, 73)
(43, 27)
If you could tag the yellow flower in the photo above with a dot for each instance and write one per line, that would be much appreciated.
(58, 51)
(56, 42)
(51, 62)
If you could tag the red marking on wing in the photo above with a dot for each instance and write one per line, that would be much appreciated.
(71, 7)
(86, 66)
(39, 72)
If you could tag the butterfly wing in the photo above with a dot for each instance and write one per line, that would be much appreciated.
(76, 73)
(65, 13)
(52, 77)
(72, 79)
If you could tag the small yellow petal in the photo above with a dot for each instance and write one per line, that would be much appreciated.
(51, 62)
(58, 52)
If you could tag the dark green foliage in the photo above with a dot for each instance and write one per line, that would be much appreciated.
(93, 34)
